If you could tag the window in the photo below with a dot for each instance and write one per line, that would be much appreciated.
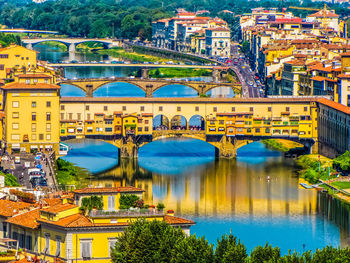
(15, 137)
(87, 107)
(48, 116)
(35, 80)
(46, 81)
(4, 56)
(160, 108)
(29, 242)
(269, 109)
(305, 108)
(33, 137)
(62, 116)
(146, 121)
(109, 129)
(221, 122)
(47, 244)
(15, 115)
(105, 108)
(139, 129)
(146, 129)
(233, 109)
(15, 104)
(70, 116)
(27, 81)
(124, 108)
(215, 109)
(58, 246)
(111, 245)
(178, 108)
(48, 137)
(2, 66)
(48, 127)
(85, 248)
(111, 202)
(142, 108)
(197, 108)
(33, 116)
(62, 107)
(41, 136)
(88, 116)
(48, 104)
(15, 126)
(251, 109)
(287, 109)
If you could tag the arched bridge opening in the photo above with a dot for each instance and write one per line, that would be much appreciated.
(119, 89)
(175, 90)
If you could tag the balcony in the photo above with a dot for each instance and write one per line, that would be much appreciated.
(125, 213)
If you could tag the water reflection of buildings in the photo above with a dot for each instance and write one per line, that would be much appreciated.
(222, 188)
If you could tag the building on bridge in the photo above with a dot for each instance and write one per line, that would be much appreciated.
(216, 121)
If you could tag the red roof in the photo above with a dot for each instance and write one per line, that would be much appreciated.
(27, 219)
(11, 208)
(324, 13)
(58, 208)
(45, 76)
(42, 86)
(334, 105)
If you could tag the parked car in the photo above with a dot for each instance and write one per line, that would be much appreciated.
(17, 160)
(38, 181)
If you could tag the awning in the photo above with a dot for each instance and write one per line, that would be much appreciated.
(34, 147)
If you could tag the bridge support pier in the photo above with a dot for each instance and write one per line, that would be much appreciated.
(89, 90)
(71, 47)
(128, 149)
(29, 46)
(216, 75)
(145, 73)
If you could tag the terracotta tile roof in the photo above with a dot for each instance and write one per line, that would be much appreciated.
(50, 201)
(11, 208)
(218, 29)
(30, 86)
(28, 219)
(334, 105)
(147, 114)
(58, 208)
(345, 54)
(344, 76)
(324, 13)
(46, 76)
(319, 78)
(76, 220)
(104, 190)
(174, 220)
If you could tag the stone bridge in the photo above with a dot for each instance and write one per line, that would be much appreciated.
(225, 146)
(149, 86)
(71, 43)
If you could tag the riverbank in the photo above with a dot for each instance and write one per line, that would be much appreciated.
(281, 145)
(70, 175)
(133, 56)
(318, 169)
(179, 73)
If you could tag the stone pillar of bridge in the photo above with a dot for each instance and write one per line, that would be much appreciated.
(29, 46)
(216, 75)
(89, 90)
(226, 148)
(71, 47)
(145, 73)
(129, 149)
(149, 92)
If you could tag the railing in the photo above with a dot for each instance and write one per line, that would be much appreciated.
(126, 213)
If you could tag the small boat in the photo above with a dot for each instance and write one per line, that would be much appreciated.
(306, 186)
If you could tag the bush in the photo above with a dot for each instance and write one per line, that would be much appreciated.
(342, 162)
(126, 201)
(10, 180)
(160, 206)
(88, 203)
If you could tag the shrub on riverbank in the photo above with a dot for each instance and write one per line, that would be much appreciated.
(156, 241)
(273, 144)
(66, 172)
(342, 162)
(178, 73)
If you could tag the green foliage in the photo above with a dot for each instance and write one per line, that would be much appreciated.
(66, 172)
(10, 180)
(156, 241)
(178, 73)
(265, 254)
(342, 161)
(341, 185)
(275, 145)
(8, 39)
(126, 201)
(245, 47)
(160, 206)
(88, 203)
(229, 250)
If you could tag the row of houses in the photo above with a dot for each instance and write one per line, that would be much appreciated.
(299, 57)
(188, 32)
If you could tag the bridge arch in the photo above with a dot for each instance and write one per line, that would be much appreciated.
(178, 90)
(178, 122)
(118, 90)
(67, 91)
(196, 122)
(34, 43)
(235, 90)
(118, 81)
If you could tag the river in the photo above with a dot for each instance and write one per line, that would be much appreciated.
(257, 196)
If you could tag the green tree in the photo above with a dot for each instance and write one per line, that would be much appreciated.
(229, 250)
(266, 254)
(127, 200)
(10, 180)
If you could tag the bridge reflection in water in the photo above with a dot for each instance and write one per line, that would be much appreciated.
(235, 194)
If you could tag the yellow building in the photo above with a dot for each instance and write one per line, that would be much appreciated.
(62, 231)
(31, 115)
(16, 57)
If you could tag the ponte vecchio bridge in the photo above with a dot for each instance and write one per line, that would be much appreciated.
(227, 124)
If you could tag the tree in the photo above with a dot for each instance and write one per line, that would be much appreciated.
(229, 250)
(126, 201)
(265, 254)
(88, 203)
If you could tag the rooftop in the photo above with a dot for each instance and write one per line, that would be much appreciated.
(58, 208)
(11, 208)
(27, 219)
(335, 105)
(40, 75)
(23, 86)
